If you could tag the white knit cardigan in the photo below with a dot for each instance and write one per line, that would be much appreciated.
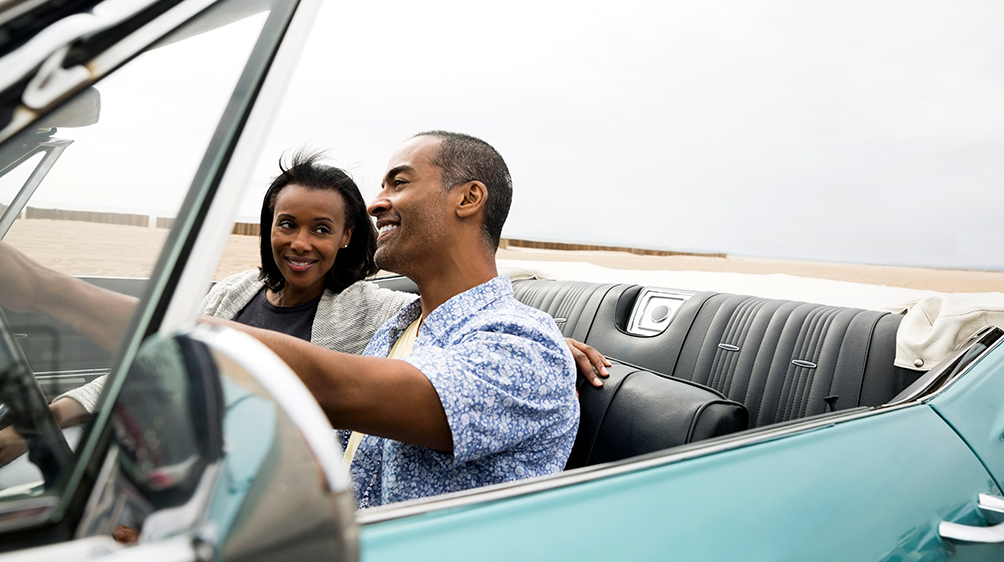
(344, 321)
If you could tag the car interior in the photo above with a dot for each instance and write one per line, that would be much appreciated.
(686, 366)
(691, 366)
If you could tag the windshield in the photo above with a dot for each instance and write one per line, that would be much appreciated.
(91, 191)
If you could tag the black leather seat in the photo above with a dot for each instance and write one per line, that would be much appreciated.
(638, 411)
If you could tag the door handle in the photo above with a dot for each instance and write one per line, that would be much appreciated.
(992, 508)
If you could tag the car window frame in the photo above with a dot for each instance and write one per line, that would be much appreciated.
(149, 316)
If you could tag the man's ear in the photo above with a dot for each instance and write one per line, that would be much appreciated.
(474, 197)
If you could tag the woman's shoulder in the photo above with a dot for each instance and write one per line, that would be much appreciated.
(235, 290)
(365, 302)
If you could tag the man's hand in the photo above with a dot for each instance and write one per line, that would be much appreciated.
(97, 313)
(12, 445)
(592, 364)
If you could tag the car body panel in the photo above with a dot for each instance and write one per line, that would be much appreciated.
(974, 406)
(864, 489)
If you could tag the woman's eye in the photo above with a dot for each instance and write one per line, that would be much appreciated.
(322, 230)
(285, 224)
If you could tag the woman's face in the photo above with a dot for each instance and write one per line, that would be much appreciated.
(308, 228)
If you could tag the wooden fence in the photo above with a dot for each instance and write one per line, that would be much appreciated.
(252, 229)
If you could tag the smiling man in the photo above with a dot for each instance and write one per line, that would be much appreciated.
(466, 386)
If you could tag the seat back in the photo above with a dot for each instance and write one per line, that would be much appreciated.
(781, 359)
(639, 411)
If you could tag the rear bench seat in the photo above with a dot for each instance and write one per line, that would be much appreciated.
(781, 359)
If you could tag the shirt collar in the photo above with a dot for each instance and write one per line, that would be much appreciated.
(458, 308)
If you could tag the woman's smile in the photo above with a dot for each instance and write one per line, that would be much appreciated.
(299, 264)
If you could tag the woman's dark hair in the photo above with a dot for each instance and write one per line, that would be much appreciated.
(353, 263)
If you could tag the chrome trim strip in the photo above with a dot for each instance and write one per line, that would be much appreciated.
(89, 547)
(57, 374)
(805, 364)
(728, 347)
(590, 473)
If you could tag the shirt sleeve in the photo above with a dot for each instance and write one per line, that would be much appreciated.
(87, 395)
(504, 389)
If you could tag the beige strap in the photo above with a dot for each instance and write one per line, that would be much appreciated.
(402, 348)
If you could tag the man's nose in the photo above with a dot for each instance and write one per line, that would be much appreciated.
(379, 204)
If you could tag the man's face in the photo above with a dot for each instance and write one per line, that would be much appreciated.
(411, 208)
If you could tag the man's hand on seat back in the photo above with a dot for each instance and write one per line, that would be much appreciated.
(591, 363)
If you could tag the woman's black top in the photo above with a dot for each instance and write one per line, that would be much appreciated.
(293, 320)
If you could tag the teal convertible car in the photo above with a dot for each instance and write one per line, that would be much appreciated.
(732, 426)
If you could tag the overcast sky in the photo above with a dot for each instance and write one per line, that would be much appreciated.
(850, 131)
(858, 131)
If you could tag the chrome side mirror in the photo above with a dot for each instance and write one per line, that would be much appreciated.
(216, 438)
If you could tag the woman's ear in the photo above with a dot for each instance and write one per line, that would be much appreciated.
(346, 237)
(475, 195)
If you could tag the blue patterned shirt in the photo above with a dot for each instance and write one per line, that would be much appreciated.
(507, 382)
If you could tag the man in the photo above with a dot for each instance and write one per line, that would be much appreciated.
(487, 393)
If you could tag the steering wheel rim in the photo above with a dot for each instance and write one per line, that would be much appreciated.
(32, 418)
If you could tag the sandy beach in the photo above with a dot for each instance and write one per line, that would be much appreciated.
(87, 248)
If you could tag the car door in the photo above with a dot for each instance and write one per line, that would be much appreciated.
(973, 404)
(864, 484)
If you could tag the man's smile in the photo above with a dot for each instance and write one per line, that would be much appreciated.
(385, 230)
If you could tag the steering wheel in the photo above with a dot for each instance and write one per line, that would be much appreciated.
(25, 404)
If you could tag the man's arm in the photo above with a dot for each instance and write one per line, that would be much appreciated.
(383, 397)
(67, 412)
(97, 313)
